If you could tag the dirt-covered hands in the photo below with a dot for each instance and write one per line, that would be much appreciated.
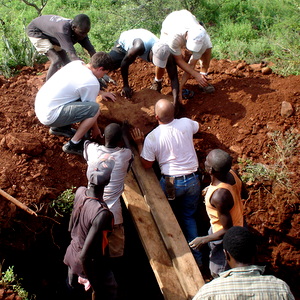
(108, 96)
(126, 92)
(138, 137)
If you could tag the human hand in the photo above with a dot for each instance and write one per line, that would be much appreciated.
(96, 133)
(197, 243)
(108, 96)
(137, 135)
(126, 92)
(202, 79)
(204, 191)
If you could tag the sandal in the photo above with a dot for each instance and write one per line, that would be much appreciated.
(187, 94)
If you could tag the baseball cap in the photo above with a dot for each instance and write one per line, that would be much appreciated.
(195, 39)
(98, 172)
(161, 52)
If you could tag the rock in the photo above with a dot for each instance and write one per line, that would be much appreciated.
(24, 143)
(241, 65)
(266, 70)
(286, 109)
(237, 149)
(255, 67)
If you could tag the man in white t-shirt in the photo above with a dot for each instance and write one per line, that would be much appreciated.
(181, 29)
(171, 145)
(69, 97)
(113, 134)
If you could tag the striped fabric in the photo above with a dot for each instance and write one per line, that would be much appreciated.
(245, 283)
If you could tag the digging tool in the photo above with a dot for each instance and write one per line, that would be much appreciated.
(17, 202)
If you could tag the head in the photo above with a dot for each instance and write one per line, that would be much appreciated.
(100, 63)
(99, 172)
(113, 135)
(218, 162)
(161, 52)
(81, 25)
(239, 244)
(164, 111)
(195, 38)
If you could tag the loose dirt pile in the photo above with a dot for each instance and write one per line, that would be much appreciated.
(244, 117)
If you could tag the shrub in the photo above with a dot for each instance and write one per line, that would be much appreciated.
(9, 280)
(64, 203)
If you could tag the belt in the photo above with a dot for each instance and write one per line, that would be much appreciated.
(182, 177)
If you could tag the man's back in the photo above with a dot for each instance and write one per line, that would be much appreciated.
(114, 189)
(127, 37)
(245, 283)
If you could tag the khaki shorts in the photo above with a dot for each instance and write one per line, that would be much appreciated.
(43, 45)
(116, 241)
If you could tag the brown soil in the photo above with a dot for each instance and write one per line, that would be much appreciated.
(240, 117)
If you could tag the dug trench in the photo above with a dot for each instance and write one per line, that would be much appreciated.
(252, 115)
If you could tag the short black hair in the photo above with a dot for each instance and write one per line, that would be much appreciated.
(221, 161)
(81, 21)
(113, 134)
(101, 59)
(240, 243)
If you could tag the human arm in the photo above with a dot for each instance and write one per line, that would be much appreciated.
(93, 245)
(137, 49)
(87, 45)
(96, 132)
(188, 68)
(138, 137)
(222, 200)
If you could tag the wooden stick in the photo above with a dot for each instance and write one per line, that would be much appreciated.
(17, 202)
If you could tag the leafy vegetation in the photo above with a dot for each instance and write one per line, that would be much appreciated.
(64, 203)
(283, 148)
(250, 30)
(9, 280)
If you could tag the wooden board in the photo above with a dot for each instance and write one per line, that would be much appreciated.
(151, 240)
(183, 262)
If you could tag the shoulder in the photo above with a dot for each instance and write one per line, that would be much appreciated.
(208, 290)
(222, 199)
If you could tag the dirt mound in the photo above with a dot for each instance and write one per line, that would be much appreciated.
(245, 116)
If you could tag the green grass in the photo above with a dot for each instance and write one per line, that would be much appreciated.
(250, 30)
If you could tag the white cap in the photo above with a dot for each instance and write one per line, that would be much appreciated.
(161, 52)
(195, 38)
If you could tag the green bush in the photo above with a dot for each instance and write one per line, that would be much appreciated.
(9, 280)
(63, 205)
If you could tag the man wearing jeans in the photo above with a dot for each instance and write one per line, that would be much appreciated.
(171, 144)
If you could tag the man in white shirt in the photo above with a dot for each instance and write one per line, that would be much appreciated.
(181, 29)
(114, 134)
(171, 144)
(69, 96)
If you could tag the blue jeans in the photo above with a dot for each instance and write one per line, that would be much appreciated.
(184, 206)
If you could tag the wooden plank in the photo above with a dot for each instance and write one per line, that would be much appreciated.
(151, 240)
(184, 263)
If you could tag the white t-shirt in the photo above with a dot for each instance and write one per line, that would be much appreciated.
(174, 28)
(72, 82)
(172, 146)
(112, 192)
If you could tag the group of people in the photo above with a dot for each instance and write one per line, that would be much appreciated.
(96, 224)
